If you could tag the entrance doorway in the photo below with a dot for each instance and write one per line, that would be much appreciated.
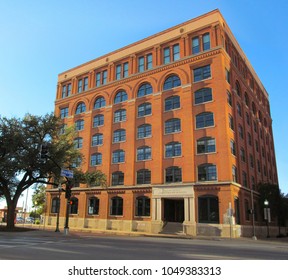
(174, 210)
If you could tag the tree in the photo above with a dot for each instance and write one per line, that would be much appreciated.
(21, 166)
(277, 202)
(38, 199)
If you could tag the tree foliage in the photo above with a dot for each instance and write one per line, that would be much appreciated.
(21, 166)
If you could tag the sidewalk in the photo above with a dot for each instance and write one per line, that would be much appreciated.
(37, 230)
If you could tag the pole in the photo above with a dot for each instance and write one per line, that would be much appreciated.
(253, 216)
(66, 227)
(58, 209)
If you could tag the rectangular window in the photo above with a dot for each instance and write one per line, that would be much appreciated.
(195, 45)
(85, 83)
(141, 66)
(166, 55)
(149, 61)
(104, 77)
(202, 73)
(206, 42)
(118, 72)
(80, 82)
(125, 70)
(176, 52)
(98, 79)
(227, 75)
(64, 113)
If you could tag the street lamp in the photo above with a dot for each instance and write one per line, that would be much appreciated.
(58, 208)
(267, 215)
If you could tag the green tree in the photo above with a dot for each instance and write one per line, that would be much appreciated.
(39, 199)
(21, 165)
(277, 202)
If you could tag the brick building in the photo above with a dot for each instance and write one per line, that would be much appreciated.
(180, 124)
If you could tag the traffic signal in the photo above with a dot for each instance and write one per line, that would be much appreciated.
(44, 151)
(68, 191)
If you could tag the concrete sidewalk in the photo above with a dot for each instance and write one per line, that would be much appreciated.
(36, 230)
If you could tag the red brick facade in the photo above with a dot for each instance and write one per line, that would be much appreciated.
(218, 120)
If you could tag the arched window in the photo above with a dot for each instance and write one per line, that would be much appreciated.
(79, 125)
(143, 176)
(173, 174)
(207, 172)
(173, 149)
(171, 82)
(117, 178)
(143, 153)
(172, 126)
(118, 156)
(97, 139)
(205, 119)
(172, 103)
(93, 206)
(99, 103)
(238, 89)
(206, 145)
(144, 131)
(144, 109)
(74, 205)
(81, 108)
(208, 209)
(120, 116)
(144, 89)
(116, 206)
(55, 205)
(119, 135)
(121, 96)
(96, 159)
(203, 95)
(98, 120)
(142, 206)
(247, 102)
(78, 142)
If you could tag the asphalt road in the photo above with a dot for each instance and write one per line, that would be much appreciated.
(48, 245)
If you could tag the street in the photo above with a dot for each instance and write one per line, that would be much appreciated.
(49, 245)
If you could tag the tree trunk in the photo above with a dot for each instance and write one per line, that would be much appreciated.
(11, 215)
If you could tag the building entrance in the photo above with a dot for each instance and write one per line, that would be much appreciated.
(174, 210)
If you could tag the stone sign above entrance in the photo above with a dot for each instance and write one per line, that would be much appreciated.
(173, 191)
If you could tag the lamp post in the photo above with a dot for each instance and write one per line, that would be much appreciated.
(267, 215)
(58, 207)
(253, 215)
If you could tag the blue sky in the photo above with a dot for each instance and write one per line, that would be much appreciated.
(40, 39)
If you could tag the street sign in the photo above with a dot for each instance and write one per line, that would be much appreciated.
(66, 173)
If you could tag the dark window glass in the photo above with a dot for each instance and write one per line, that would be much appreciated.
(172, 103)
(207, 172)
(166, 55)
(55, 205)
(79, 125)
(173, 174)
(93, 206)
(118, 156)
(144, 153)
(172, 126)
(206, 42)
(64, 112)
(142, 206)
(205, 119)
(143, 176)
(116, 207)
(120, 115)
(206, 145)
(117, 178)
(176, 52)
(195, 45)
(97, 139)
(203, 95)
(144, 89)
(173, 149)
(119, 135)
(202, 73)
(81, 108)
(98, 120)
(144, 109)
(99, 103)
(171, 82)
(208, 209)
(121, 96)
(74, 205)
(144, 131)
(96, 159)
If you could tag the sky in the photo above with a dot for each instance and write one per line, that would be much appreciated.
(40, 39)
